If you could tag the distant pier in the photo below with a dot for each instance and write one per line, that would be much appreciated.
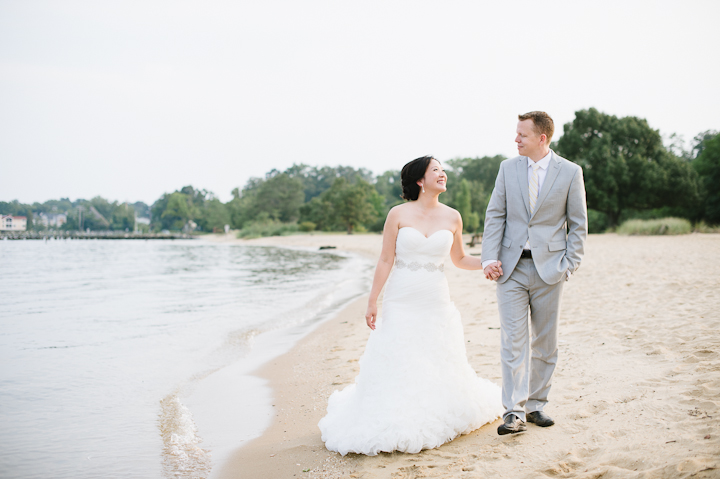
(96, 235)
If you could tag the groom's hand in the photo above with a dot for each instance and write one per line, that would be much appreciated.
(493, 271)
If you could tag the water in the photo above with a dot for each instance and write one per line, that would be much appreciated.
(111, 350)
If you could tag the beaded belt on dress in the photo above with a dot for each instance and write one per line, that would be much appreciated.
(415, 266)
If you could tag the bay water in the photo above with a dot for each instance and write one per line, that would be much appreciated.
(124, 358)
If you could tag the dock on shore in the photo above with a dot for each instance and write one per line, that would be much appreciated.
(82, 235)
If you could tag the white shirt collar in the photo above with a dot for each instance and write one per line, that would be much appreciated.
(544, 162)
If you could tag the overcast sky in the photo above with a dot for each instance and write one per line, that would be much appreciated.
(131, 99)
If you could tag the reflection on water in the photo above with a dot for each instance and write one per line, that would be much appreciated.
(94, 334)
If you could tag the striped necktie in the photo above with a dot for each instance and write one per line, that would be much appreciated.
(533, 187)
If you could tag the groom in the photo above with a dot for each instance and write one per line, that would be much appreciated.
(535, 230)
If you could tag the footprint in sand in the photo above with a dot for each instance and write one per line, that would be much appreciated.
(561, 469)
(412, 472)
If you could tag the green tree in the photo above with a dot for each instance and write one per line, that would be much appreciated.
(142, 210)
(103, 207)
(197, 198)
(241, 208)
(280, 196)
(707, 165)
(480, 174)
(389, 186)
(123, 218)
(316, 180)
(480, 171)
(318, 211)
(89, 218)
(178, 211)
(463, 204)
(344, 205)
(699, 143)
(156, 211)
(353, 205)
(215, 215)
(626, 165)
(173, 211)
(72, 221)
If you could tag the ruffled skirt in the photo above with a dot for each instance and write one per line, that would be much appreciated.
(416, 389)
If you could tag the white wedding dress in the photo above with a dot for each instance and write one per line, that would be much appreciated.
(416, 389)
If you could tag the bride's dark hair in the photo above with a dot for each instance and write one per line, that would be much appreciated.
(411, 173)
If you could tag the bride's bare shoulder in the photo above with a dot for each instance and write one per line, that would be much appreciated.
(450, 211)
(401, 214)
(396, 213)
(400, 209)
(452, 216)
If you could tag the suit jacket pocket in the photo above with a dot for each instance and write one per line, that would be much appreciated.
(557, 246)
(507, 242)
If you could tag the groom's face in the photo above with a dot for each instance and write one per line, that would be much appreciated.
(528, 141)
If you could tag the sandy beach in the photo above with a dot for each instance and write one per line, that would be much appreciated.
(636, 393)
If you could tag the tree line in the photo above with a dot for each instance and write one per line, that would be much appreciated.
(629, 173)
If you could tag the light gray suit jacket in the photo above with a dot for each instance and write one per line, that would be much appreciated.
(557, 229)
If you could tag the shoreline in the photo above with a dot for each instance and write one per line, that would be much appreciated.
(286, 373)
(636, 392)
(291, 444)
(233, 406)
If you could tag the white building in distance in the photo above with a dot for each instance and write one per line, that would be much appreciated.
(52, 220)
(13, 223)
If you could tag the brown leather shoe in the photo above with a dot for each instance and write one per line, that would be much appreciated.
(512, 425)
(539, 418)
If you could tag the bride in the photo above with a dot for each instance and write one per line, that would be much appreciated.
(416, 389)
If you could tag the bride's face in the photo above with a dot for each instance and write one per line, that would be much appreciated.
(435, 178)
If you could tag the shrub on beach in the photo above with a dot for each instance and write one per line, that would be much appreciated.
(307, 226)
(703, 227)
(256, 229)
(663, 226)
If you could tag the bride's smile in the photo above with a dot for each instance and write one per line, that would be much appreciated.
(435, 175)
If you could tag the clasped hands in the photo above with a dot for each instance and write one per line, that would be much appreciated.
(493, 271)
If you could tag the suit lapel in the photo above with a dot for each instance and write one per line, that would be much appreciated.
(550, 177)
(522, 176)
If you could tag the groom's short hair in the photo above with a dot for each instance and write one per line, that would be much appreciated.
(544, 125)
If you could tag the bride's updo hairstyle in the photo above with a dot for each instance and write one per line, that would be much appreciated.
(411, 173)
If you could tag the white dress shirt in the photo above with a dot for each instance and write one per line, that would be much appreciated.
(542, 171)
(544, 162)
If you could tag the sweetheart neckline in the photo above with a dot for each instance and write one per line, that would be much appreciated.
(426, 237)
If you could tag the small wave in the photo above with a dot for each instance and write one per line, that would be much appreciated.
(182, 455)
(241, 340)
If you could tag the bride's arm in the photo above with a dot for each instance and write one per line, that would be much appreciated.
(457, 253)
(384, 265)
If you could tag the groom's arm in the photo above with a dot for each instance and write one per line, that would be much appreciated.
(495, 216)
(577, 220)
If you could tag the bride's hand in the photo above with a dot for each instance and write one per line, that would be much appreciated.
(493, 271)
(371, 315)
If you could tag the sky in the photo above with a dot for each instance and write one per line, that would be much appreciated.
(132, 99)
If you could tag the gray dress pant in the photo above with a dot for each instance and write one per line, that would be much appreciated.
(528, 355)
